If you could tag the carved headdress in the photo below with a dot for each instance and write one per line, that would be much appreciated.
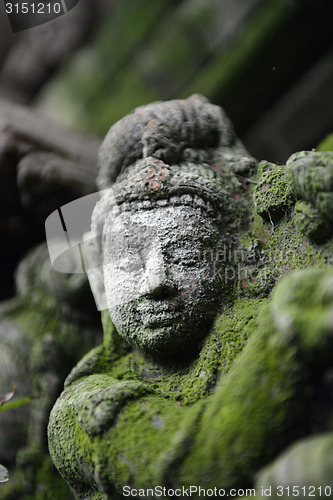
(173, 152)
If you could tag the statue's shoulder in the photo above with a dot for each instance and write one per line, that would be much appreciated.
(93, 362)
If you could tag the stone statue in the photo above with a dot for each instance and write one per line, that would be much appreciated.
(44, 330)
(51, 321)
(207, 372)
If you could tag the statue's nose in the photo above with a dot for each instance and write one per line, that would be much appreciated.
(156, 280)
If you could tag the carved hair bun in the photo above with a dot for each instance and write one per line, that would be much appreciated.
(191, 130)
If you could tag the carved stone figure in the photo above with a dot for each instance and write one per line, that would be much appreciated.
(204, 376)
(44, 330)
(51, 321)
(163, 281)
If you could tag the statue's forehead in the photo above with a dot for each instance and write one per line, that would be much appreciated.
(165, 222)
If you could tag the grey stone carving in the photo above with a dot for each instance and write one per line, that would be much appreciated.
(165, 220)
(203, 377)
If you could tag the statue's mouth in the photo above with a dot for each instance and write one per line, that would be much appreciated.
(157, 313)
(159, 320)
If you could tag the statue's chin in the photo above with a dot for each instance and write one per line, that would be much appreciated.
(159, 330)
(165, 341)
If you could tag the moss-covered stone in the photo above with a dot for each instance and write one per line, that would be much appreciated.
(168, 391)
(174, 433)
(231, 401)
(310, 175)
(171, 399)
(43, 332)
(273, 195)
(311, 223)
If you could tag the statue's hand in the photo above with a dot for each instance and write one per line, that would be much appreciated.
(101, 399)
(310, 175)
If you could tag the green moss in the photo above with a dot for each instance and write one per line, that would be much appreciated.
(311, 223)
(170, 390)
(221, 440)
(190, 382)
(50, 343)
(283, 245)
(272, 195)
(183, 382)
(257, 398)
(214, 418)
(311, 177)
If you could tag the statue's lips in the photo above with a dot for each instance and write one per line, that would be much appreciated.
(157, 318)
(155, 313)
(156, 321)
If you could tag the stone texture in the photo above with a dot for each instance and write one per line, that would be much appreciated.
(44, 330)
(166, 402)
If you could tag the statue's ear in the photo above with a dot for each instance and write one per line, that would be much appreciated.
(92, 255)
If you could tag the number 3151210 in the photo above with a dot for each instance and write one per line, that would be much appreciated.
(33, 8)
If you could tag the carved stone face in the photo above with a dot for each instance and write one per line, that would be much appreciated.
(161, 278)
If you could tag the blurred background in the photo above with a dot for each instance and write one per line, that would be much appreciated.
(268, 63)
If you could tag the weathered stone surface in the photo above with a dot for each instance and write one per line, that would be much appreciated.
(208, 376)
(311, 177)
(44, 330)
(189, 131)
(273, 194)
